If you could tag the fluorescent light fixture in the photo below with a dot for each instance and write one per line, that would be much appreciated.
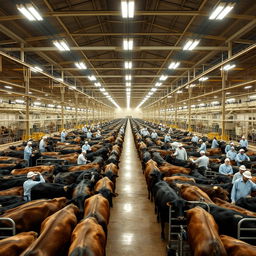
(158, 84)
(163, 77)
(204, 78)
(128, 77)
(179, 91)
(102, 89)
(128, 65)
(128, 44)
(72, 88)
(128, 84)
(252, 96)
(51, 105)
(105, 93)
(97, 84)
(128, 89)
(170, 96)
(59, 106)
(60, 79)
(29, 92)
(150, 93)
(36, 69)
(228, 67)
(61, 45)
(37, 103)
(19, 101)
(215, 102)
(227, 93)
(192, 85)
(153, 89)
(248, 87)
(92, 78)
(127, 8)
(231, 100)
(80, 65)
(8, 87)
(174, 65)
(191, 45)
(29, 12)
(221, 10)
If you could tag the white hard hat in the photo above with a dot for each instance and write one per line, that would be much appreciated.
(44, 137)
(202, 152)
(241, 150)
(247, 174)
(232, 147)
(84, 151)
(29, 143)
(180, 145)
(227, 160)
(86, 142)
(231, 143)
(242, 167)
(200, 140)
(243, 137)
(31, 174)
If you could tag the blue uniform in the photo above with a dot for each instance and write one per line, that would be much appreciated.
(153, 135)
(86, 147)
(202, 147)
(167, 138)
(215, 144)
(195, 139)
(243, 143)
(241, 189)
(225, 169)
(42, 145)
(28, 185)
(227, 148)
(89, 135)
(241, 157)
(231, 155)
(63, 136)
(27, 153)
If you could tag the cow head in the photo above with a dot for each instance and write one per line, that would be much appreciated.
(179, 207)
(112, 176)
(107, 194)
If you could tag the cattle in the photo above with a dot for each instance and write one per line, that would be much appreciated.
(163, 195)
(214, 191)
(228, 205)
(67, 178)
(29, 216)
(15, 191)
(88, 238)
(247, 203)
(7, 200)
(83, 167)
(203, 233)
(39, 168)
(105, 187)
(235, 247)
(113, 158)
(7, 166)
(193, 193)
(49, 191)
(213, 151)
(111, 171)
(169, 169)
(15, 245)
(7, 182)
(171, 179)
(55, 233)
(50, 153)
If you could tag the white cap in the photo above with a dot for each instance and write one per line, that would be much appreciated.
(29, 143)
(180, 145)
(202, 152)
(231, 143)
(44, 137)
(84, 151)
(86, 142)
(243, 137)
(200, 140)
(242, 167)
(232, 147)
(241, 150)
(31, 174)
(227, 160)
(247, 174)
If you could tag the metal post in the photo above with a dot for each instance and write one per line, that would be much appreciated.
(62, 92)
(176, 110)
(189, 109)
(223, 102)
(159, 111)
(27, 74)
(76, 98)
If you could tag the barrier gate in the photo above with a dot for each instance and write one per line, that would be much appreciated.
(240, 228)
(12, 228)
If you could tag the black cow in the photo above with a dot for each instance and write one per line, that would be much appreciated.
(90, 174)
(67, 178)
(51, 190)
(247, 203)
(113, 159)
(12, 181)
(165, 194)
(8, 200)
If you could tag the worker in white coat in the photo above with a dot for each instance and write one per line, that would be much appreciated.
(202, 161)
(82, 158)
(42, 144)
(28, 153)
(181, 153)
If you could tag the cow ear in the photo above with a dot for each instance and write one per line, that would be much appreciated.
(169, 204)
(215, 187)
(114, 194)
(65, 188)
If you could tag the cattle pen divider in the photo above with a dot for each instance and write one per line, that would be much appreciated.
(240, 228)
(12, 228)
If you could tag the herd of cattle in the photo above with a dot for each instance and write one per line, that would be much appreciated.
(171, 182)
(69, 213)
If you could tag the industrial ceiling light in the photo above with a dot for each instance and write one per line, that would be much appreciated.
(8, 87)
(37, 103)
(228, 67)
(227, 93)
(61, 45)
(248, 87)
(163, 77)
(127, 8)
(191, 45)
(102, 89)
(80, 65)
(29, 11)
(97, 84)
(105, 93)
(128, 65)
(158, 84)
(92, 78)
(179, 91)
(36, 69)
(221, 10)
(60, 79)
(128, 77)
(128, 44)
(153, 89)
(174, 65)
(150, 93)
(19, 101)
(204, 78)
(128, 84)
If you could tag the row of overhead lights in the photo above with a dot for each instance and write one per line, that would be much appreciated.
(30, 12)
(219, 12)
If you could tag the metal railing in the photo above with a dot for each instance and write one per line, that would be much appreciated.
(12, 227)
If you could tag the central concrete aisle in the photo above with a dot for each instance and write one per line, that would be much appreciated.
(133, 229)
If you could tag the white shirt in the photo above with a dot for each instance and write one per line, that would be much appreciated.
(236, 176)
(202, 161)
(181, 154)
(81, 159)
(29, 184)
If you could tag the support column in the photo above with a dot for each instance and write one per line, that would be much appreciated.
(62, 92)
(27, 75)
(189, 109)
(223, 102)
(159, 112)
(76, 98)
(176, 110)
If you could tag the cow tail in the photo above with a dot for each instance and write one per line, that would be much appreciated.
(217, 249)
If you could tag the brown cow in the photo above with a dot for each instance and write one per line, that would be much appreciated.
(50, 153)
(84, 167)
(15, 191)
(214, 191)
(193, 193)
(9, 166)
(15, 245)
(169, 180)
(98, 206)
(111, 171)
(105, 187)
(55, 233)
(116, 149)
(169, 169)
(11, 159)
(203, 233)
(235, 247)
(39, 168)
(88, 238)
(213, 151)
(228, 205)
(29, 216)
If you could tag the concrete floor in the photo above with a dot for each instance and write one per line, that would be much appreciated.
(133, 229)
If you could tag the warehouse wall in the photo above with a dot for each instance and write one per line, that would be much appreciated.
(123, 112)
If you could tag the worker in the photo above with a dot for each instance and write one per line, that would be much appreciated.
(181, 153)
(226, 168)
(98, 134)
(243, 143)
(174, 145)
(241, 157)
(42, 144)
(121, 131)
(194, 140)
(86, 147)
(154, 135)
(202, 161)
(231, 154)
(239, 174)
(162, 129)
(84, 129)
(63, 135)
(167, 138)
(141, 131)
(89, 134)
(228, 147)
(215, 143)
(170, 131)
(28, 153)
(242, 187)
(202, 146)
(82, 158)
(30, 183)
(145, 132)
